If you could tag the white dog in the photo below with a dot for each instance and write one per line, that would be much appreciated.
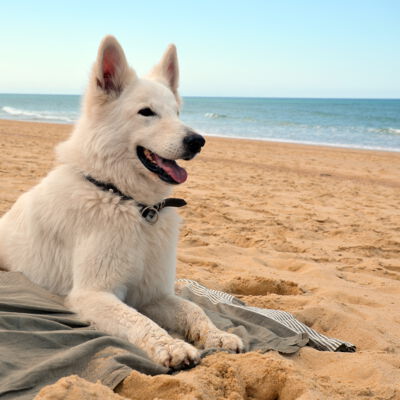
(96, 228)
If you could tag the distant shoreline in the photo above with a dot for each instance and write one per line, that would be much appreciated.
(224, 97)
(227, 137)
(305, 143)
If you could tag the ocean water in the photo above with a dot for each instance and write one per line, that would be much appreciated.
(365, 124)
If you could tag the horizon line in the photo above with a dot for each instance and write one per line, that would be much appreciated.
(226, 97)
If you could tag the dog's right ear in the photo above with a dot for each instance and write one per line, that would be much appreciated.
(111, 70)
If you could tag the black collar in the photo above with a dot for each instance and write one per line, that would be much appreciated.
(149, 213)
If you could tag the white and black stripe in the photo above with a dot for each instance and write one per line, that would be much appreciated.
(286, 319)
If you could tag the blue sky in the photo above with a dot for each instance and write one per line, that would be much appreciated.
(226, 48)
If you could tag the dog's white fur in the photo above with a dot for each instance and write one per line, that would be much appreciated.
(74, 239)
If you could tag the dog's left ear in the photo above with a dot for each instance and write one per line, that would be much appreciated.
(167, 70)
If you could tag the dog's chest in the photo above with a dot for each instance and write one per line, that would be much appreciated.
(153, 273)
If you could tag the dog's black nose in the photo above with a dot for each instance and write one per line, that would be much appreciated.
(193, 142)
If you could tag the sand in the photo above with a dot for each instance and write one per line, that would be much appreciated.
(306, 229)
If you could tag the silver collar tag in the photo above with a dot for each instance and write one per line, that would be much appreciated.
(150, 214)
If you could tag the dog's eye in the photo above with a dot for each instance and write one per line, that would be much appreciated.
(147, 112)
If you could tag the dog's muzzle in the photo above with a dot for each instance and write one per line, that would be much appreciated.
(166, 169)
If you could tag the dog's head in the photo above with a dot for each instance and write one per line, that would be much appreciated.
(130, 133)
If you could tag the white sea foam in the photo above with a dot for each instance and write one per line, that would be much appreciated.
(390, 131)
(214, 115)
(36, 115)
(306, 142)
(12, 111)
(394, 131)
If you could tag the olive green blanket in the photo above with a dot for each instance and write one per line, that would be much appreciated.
(42, 341)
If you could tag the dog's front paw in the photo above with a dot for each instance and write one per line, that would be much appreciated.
(175, 354)
(224, 340)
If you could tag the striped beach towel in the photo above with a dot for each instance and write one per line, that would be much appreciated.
(227, 304)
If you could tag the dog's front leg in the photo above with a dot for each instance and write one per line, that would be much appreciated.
(114, 317)
(102, 263)
(183, 316)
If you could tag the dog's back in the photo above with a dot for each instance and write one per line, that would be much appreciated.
(37, 233)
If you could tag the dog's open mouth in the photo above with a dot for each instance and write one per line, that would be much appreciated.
(167, 170)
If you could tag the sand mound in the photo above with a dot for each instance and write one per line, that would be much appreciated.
(73, 387)
(243, 377)
(221, 376)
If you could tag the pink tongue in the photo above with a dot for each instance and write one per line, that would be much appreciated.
(177, 173)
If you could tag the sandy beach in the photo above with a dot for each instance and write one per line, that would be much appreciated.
(310, 230)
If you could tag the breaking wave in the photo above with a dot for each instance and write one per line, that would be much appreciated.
(214, 115)
(36, 115)
(394, 131)
(390, 131)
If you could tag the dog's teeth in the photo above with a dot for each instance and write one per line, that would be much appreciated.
(148, 154)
